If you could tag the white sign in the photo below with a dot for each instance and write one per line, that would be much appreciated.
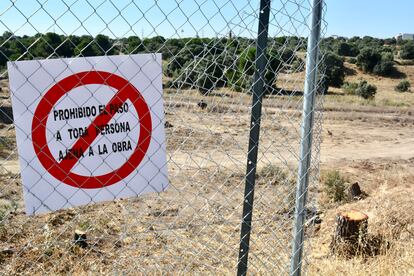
(88, 129)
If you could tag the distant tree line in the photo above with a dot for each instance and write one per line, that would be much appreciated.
(206, 63)
(202, 63)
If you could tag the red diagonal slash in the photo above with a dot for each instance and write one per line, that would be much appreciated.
(62, 170)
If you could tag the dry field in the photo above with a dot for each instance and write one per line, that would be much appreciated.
(193, 227)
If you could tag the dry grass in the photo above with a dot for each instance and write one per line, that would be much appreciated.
(390, 197)
(194, 226)
(386, 95)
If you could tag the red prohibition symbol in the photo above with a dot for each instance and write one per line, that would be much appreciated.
(62, 170)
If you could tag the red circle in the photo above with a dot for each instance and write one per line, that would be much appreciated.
(61, 171)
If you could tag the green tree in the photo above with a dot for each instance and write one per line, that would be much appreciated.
(205, 83)
(367, 59)
(272, 67)
(241, 76)
(384, 68)
(66, 48)
(347, 49)
(103, 45)
(175, 65)
(52, 44)
(154, 44)
(134, 45)
(334, 70)
(211, 74)
(407, 50)
(85, 47)
(246, 61)
(4, 54)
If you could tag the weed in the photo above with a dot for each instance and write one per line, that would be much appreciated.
(334, 186)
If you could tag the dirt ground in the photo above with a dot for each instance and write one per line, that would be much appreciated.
(194, 227)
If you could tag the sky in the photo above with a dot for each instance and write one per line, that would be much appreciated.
(378, 18)
(186, 18)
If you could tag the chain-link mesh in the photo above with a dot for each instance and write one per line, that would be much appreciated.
(208, 61)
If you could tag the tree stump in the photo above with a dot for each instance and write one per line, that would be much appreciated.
(350, 233)
(80, 239)
(354, 191)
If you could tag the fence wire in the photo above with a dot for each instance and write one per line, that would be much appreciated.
(208, 62)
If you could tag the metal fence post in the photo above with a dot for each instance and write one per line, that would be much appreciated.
(258, 90)
(306, 137)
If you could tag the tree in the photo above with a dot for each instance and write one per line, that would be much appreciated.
(6, 35)
(16, 48)
(88, 46)
(384, 68)
(407, 50)
(4, 54)
(175, 64)
(367, 59)
(134, 45)
(334, 70)
(390, 41)
(272, 67)
(372, 61)
(210, 74)
(85, 47)
(66, 48)
(246, 61)
(52, 44)
(205, 83)
(347, 49)
(241, 76)
(103, 45)
(154, 44)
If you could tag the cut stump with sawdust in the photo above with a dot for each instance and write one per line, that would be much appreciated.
(350, 233)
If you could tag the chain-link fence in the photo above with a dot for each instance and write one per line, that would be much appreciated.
(210, 74)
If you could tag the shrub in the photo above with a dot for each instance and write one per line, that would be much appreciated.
(403, 86)
(352, 60)
(367, 59)
(334, 70)
(240, 76)
(384, 68)
(350, 88)
(237, 81)
(387, 56)
(407, 50)
(362, 89)
(275, 173)
(347, 49)
(366, 90)
(334, 186)
(373, 61)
